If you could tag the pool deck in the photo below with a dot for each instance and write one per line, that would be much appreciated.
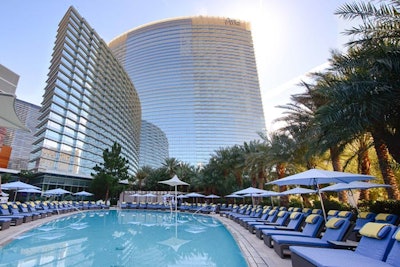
(254, 249)
(256, 253)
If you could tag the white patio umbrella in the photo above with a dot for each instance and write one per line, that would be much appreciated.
(29, 191)
(83, 194)
(149, 195)
(234, 196)
(350, 186)
(174, 181)
(269, 194)
(56, 192)
(136, 196)
(212, 196)
(251, 191)
(315, 177)
(298, 191)
(17, 185)
(195, 195)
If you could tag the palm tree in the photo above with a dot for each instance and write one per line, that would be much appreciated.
(171, 165)
(142, 175)
(376, 41)
(357, 105)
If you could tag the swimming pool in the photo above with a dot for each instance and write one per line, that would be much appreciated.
(125, 238)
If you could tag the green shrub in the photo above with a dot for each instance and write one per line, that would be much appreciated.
(331, 205)
(385, 206)
(295, 203)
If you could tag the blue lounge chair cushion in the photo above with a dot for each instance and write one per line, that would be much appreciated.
(311, 219)
(300, 240)
(327, 257)
(393, 257)
(334, 223)
(375, 230)
(295, 215)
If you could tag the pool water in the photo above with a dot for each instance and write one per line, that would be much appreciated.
(125, 238)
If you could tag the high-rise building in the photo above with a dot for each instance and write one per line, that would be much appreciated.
(89, 103)
(21, 140)
(153, 146)
(10, 122)
(197, 81)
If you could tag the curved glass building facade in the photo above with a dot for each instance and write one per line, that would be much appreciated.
(89, 103)
(197, 81)
(153, 146)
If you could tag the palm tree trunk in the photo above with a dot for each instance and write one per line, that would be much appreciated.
(364, 164)
(280, 170)
(107, 193)
(386, 169)
(337, 166)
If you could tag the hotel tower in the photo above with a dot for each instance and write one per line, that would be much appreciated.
(89, 103)
(197, 81)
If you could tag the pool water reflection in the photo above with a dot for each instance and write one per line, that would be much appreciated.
(125, 238)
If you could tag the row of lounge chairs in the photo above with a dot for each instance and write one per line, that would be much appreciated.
(145, 205)
(16, 213)
(184, 207)
(367, 240)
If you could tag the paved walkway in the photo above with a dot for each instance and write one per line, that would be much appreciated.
(254, 249)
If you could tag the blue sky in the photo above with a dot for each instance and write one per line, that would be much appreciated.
(291, 37)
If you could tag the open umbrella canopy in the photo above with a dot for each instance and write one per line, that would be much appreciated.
(352, 185)
(29, 190)
(268, 193)
(83, 194)
(315, 177)
(212, 196)
(251, 191)
(194, 194)
(56, 192)
(18, 185)
(234, 196)
(174, 181)
(298, 191)
(149, 195)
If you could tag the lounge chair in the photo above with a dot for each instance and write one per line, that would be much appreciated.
(13, 208)
(362, 218)
(23, 208)
(337, 229)
(5, 223)
(332, 214)
(6, 214)
(254, 215)
(263, 217)
(312, 228)
(281, 220)
(376, 248)
(386, 218)
(296, 219)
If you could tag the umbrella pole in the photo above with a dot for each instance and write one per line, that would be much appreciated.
(322, 203)
(176, 198)
(355, 203)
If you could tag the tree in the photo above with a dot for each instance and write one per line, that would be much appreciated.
(109, 173)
